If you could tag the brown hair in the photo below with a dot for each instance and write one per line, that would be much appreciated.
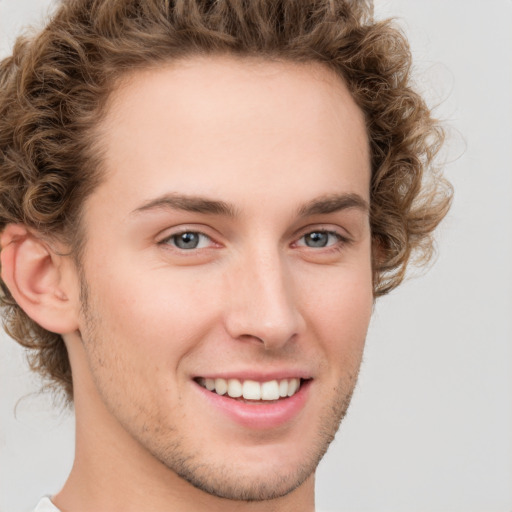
(54, 87)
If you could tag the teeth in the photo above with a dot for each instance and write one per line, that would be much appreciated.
(251, 389)
(293, 385)
(234, 388)
(221, 386)
(283, 388)
(270, 390)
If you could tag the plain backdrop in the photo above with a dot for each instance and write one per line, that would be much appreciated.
(430, 425)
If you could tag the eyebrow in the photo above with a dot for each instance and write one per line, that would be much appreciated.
(196, 204)
(334, 203)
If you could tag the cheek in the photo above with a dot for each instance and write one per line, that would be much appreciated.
(157, 315)
(136, 332)
(339, 307)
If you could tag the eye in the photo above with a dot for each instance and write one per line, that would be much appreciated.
(319, 239)
(188, 240)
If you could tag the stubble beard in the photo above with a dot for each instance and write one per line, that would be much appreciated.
(219, 480)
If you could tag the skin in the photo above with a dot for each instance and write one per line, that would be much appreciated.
(279, 145)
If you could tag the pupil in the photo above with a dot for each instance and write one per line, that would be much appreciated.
(187, 240)
(317, 239)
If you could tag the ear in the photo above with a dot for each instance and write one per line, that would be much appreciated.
(39, 279)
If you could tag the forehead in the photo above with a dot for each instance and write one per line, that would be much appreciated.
(226, 124)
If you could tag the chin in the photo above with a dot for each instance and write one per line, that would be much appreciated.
(263, 472)
(252, 485)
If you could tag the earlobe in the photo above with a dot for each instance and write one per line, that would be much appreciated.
(33, 272)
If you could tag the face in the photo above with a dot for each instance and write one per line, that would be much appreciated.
(227, 278)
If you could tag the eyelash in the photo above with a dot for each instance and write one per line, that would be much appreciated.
(338, 245)
(175, 236)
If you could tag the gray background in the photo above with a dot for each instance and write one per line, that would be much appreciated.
(430, 427)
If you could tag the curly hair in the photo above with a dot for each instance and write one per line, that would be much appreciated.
(55, 86)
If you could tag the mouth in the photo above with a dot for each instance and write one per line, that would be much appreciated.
(251, 391)
(255, 403)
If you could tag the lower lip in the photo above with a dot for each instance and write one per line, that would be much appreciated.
(259, 415)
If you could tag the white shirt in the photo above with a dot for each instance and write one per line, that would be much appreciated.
(45, 505)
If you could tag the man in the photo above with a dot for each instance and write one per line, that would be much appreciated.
(200, 202)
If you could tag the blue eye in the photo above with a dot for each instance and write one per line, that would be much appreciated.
(189, 240)
(320, 239)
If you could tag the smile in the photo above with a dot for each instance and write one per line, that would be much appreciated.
(252, 390)
(253, 402)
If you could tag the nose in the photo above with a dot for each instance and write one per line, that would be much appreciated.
(263, 301)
